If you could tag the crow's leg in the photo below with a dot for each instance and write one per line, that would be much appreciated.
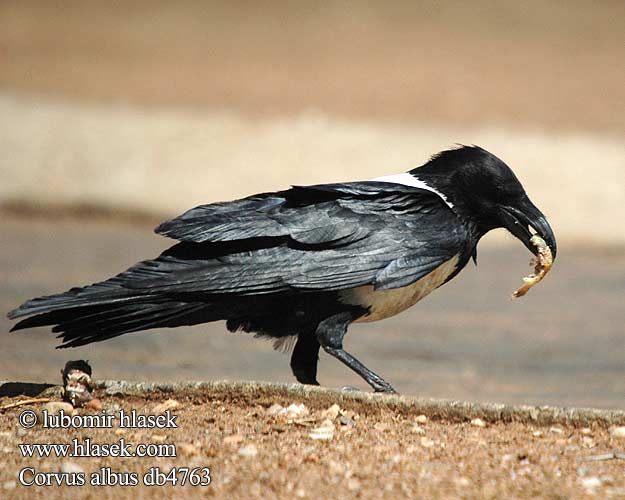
(305, 357)
(330, 333)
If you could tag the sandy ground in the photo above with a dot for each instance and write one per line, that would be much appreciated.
(357, 449)
(561, 344)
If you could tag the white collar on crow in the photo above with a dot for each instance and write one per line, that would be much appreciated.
(410, 180)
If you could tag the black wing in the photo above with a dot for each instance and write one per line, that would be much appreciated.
(326, 237)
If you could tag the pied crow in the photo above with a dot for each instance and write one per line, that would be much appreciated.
(307, 262)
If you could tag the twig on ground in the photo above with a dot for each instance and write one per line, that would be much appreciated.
(25, 402)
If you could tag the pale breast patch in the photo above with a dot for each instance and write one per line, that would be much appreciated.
(386, 303)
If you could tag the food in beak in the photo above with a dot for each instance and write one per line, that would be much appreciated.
(542, 264)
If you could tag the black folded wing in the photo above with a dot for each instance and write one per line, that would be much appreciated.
(326, 237)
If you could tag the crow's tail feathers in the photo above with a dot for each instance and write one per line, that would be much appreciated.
(101, 311)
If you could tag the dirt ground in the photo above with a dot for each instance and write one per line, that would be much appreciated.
(359, 449)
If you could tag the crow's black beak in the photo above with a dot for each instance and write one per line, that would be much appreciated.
(518, 220)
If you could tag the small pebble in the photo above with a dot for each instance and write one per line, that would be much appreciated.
(588, 442)
(618, 432)
(248, 451)
(346, 421)
(507, 458)
(158, 438)
(591, 482)
(234, 439)
(274, 409)
(187, 449)
(324, 432)
(291, 411)
(426, 442)
(170, 404)
(421, 419)
(586, 431)
(113, 408)
(311, 458)
(294, 410)
(9, 485)
(331, 412)
(478, 422)
(71, 467)
(417, 429)
(351, 414)
(555, 430)
(55, 407)
(353, 484)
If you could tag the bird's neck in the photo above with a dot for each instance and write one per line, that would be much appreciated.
(441, 182)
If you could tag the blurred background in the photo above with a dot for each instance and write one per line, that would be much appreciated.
(115, 115)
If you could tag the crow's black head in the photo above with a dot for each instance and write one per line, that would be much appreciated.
(484, 189)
